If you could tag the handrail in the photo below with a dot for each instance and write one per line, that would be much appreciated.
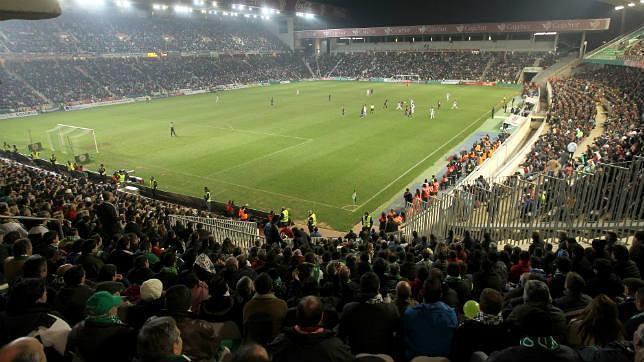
(35, 218)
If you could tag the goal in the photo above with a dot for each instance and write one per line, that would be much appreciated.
(407, 77)
(72, 139)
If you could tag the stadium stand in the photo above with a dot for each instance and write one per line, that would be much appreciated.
(97, 274)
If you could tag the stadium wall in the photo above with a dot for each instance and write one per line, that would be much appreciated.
(483, 45)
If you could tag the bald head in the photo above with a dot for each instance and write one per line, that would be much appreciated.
(251, 353)
(403, 290)
(25, 349)
(309, 312)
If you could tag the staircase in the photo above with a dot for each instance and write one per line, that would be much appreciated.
(487, 67)
(335, 67)
(317, 66)
(308, 67)
(29, 86)
(84, 72)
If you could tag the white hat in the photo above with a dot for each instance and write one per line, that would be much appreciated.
(151, 289)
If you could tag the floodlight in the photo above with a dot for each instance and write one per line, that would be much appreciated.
(225, 13)
(91, 3)
(234, 6)
(265, 10)
(254, 16)
(240, 7)
(619, 7)
(198, 2)
(246, 16)
(181, 9)
(630, 5)
(160, 7)
(214, 4)
(204, 11)
(123, 3)
(277, 11)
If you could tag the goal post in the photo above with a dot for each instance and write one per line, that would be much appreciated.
(407, 77)
(64, 137)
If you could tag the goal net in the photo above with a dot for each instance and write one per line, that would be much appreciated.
(72, 139)
(407, 77)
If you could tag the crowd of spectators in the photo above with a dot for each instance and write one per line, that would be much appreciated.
(89, 79)
(506, 66)
(124, 283)
(622, 137)
(92, 79)
(571, 118)
(113, 32)
(635, 51)
(14, 95)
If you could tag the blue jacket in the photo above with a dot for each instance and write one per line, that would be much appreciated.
(428, 329)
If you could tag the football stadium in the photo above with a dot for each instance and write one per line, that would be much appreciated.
(192, 180)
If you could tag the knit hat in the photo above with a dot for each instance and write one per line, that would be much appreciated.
(204, 262)
(151, 289)
(102, 302)
(110, 287)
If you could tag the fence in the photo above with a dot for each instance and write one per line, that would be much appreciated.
(585, 204)
(241, 233)
(33, 219)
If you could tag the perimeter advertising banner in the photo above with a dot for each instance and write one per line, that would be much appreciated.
(508, 27)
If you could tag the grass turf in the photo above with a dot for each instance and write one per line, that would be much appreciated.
(300, 153)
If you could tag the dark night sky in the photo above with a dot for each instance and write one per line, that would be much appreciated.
(410, 12)
(366, 13)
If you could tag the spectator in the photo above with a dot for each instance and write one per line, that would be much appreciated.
(307, 340)
(404, 297)
(574, 297)
(102, 336)
(598, 325)
(265, 306)
(427, 328)
(539, 343)
(72, 298)
(160, 341)
(151, 303)
(23, 349)
(633, 323)
(371, 310)
(27, 314)
(485, 333)
(201, 338)
(13, 265)
(536, 297)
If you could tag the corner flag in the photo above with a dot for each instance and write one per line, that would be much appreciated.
(354, 196)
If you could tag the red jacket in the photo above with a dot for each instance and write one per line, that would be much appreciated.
(523, 266)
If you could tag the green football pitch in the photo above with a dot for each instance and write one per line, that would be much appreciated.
(301, 152)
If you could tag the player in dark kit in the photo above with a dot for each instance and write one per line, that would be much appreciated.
(172, 131)
(272, 101)
(386, 103)
(329, 98)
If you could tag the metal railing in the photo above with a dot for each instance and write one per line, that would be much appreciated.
(39, 219)
(584, 205)
(242, 233)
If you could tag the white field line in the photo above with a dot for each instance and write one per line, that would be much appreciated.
(419, 162)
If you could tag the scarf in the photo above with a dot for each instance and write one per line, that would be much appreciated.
(104, 319)
(489, 319)
(378, 299)
(547, 343)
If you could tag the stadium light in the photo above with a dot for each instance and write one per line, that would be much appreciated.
(198, 2)
(160, 7)
(265, 10)
(91, 3)
(619, 7)
(123, 3)
(203, 11)
(254, 16)
(225, 13)
(214, 4)
(630, 5)
(246, 15)
(182, 9)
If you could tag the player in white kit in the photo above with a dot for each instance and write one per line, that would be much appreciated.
(432, 113)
